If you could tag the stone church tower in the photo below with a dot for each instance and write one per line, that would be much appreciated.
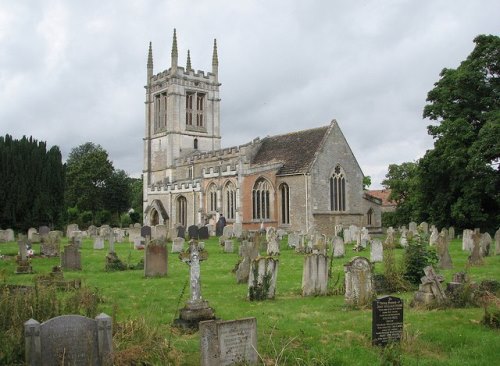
(182, 115)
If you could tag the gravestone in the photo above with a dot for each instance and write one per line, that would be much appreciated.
(160, 232)
(293, 239)
(237, 229)
(249, 250)
(50, 246)
(181, 231)
(196, 309)
(443, 252)
(365, 237)
(228, 246)
(451, 233)
(70, 339)
(227, 231)
(315, 275)
(412, 226)
(430, 290)
(77, 238)
(377, 251)
(203, 233)
(358, 282)
(193, 232)
(104, 231)
(138, 243)
(35, 238)
(177, 245)
(31, 231)
(403, 240)
(92, 231)
(9, 235)
(98, 243)
(338, 247)
(71, 258)
(23, 262)
(424, 227)
(476, 257)
(232, 342)
(69, 230)
(133, 234)
(111, 242)
(390, 240)
(486, 242)
(273, 246)
(155, 258)
(387, 320)
(262, 278)
(434, 237)
(347, 235)
(467, 243)
(146, 232)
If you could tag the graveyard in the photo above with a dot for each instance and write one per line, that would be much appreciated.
(292, 329)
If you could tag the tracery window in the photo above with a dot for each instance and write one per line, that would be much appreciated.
(212, 198)
(230, 200)
(261, 200)
(182, 210)
(337, 190)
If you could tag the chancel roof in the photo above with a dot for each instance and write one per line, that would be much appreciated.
(295, 150)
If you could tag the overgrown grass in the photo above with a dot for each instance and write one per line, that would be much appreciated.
(292, 330)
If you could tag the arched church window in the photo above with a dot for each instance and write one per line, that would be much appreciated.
(189, 109)
(261, 200)
(337, 190)
(369, 215)
(212, 197)
(154, 218)
(182, 210)
(200, 106)
(230, 200)
(285, 203)
(195, 143)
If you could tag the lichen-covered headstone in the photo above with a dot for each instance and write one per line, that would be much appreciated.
(262, 278)
(358, 282)
(315, 275)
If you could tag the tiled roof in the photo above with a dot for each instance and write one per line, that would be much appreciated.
(383, 194)
(296, 150)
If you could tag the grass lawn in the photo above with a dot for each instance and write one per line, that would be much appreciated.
(292, 330)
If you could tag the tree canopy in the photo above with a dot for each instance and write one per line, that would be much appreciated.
(458, 181)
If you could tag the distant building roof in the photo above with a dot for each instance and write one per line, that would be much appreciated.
(296, 150)
(383, 195)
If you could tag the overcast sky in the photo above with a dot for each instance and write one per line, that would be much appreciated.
(74, 71)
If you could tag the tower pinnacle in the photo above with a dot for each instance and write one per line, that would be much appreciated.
(188, 65)
(215, 60)
(150, 62)
(174, 52)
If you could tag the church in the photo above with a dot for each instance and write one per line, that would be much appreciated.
(298, 181)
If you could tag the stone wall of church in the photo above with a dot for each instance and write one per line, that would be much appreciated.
(336, 151)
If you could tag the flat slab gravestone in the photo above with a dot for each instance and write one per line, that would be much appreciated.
(387, 320)
(78, 340)
(228, 342)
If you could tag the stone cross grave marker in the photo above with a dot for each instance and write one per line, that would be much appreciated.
(443, 252)
(228, 342)
(387, 320)
(476, 257)
(430, 290)
(78, 340)
(196, 309)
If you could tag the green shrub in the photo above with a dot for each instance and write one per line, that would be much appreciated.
(418, 255)
(86, 218)
(72, 214)
(125, 220)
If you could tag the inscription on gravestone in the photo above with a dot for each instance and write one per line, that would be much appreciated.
(228, 342)
(387, 320)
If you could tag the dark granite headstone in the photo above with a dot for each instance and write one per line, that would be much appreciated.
(69, 340)
(203, 233)
(146, 231)
(387, 320)
(181, 231)
(193, 232)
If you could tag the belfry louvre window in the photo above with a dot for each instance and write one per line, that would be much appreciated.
(260, 200)
(337, 190)
(189, 109)
(200, 100)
